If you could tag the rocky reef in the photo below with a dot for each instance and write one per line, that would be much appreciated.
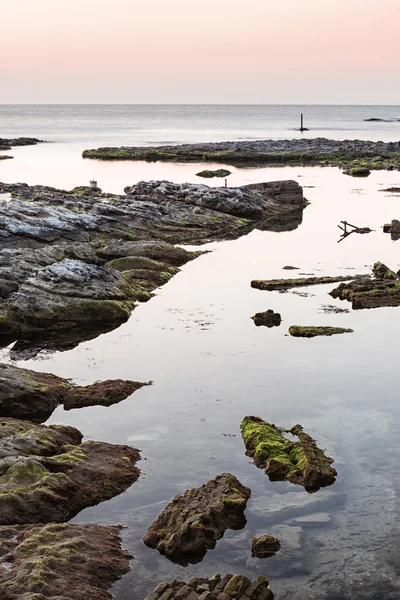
(191, 524)
(301, 462)
(26, 394)
(286, 284)
(380, 291)
(48, 474)
(7, 144)
(265, 546)
(311, 332)
(321, 151)
(228, 587)
(68, 562)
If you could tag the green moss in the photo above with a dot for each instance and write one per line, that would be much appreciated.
(310, 332)
(357, 172)
(284, 284)
(217, 173)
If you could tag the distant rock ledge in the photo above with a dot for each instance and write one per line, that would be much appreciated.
(319, 151)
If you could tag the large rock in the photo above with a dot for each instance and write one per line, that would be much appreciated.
(48, 475)
(300, 462)
(191, 524)
(228, 587)
(67, 562)
(28, 394)
(383, 290)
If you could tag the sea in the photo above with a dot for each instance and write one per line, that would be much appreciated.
(211, 366)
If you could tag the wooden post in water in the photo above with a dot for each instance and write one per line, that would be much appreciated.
(301, 124)
(226, 182)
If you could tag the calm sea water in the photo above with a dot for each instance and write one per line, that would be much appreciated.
(211, 366)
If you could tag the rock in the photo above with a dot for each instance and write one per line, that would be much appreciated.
(301, 462)
(290, 268)
(357, 172)
(311, 332)
(228, 587)
(268, 318)
(63, 561)
(31, 395)
(286, 284)
(371, 293)
(191, 524)
(265, 546)
(47, 474)
(5, 156)
(395, 226)
(217, 173)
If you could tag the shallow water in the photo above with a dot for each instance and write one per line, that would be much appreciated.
(211, 366)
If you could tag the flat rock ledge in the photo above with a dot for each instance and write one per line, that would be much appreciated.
(228, 587)
(63, 561)
(381, 291)
(301, 462)
(286, 284)
(304, 331)
(191, 524)
(265, 546)
(26, 394)
(48, 475)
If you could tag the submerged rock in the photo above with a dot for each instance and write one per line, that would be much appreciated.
(47, 474)
(300, 462)
(382, 291)
(191, 524)
(269, 318)
(310, 332)
(265, 546)
(68, 562)
(32, 395)
(228, 587)
(286, 284)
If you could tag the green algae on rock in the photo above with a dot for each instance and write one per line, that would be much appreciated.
(269, 318)
(62, 561)
(300, 462)
(285, 284)
(311, 331)
(191, 524)
(382, 291)
(264, 546)
(48, 474)
(217, 173)
(26, 394)
(357, 172)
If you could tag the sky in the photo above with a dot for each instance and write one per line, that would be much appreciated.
(192, 51)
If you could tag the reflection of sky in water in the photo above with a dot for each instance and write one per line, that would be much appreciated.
(211, 366)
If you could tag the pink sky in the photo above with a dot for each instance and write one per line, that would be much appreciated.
(161, 51)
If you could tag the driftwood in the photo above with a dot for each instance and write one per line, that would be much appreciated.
(354, 229)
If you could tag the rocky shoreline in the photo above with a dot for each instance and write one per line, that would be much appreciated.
(347, 154)
(8, 144)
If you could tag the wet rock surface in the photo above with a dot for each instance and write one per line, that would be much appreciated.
(191, 524)
(26, 394)
(286, 284)
(383, 290)
(48, 474)
(311, 332)
(265, 546)
(300, 462)
(67, 562)
(269, 318)
(218, 587)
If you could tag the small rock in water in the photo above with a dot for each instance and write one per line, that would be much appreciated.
(290, 268)
(264, 546)
(269, 318)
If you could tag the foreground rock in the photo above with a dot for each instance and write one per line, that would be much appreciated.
(286, 284)
(269, 318)
(77, 261)
(265, 546)
(322, 151)
(217, 588)
(67, 562)
(383, 290)
(47, 474)
(191, 524)
(300, 462)
(31, 395)
(310, 332)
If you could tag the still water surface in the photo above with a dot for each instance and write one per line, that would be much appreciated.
(211, 366)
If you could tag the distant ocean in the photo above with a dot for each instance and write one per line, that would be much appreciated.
(96, 125)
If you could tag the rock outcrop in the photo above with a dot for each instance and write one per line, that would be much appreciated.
(383, 290)
(228, 587)
(301, 462)
(286, 284)
(311, 332)
(67, 562)
(265, 546)
(48, 474)
(269, 318)
(26, 394)
(191, 524)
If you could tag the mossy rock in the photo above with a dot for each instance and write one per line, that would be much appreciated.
(301, 462)
(357, 172)
(310, 331)
(217, 173)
